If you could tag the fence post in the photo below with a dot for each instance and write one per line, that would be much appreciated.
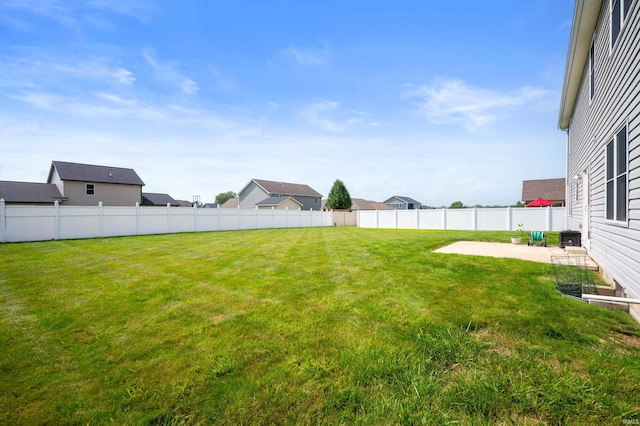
(377, 219)
(548, 218)
(137, 218)
(256, 217)
(168, 218)
(509, 219)
(195, 217)
(3, 237)
(474, 219)
(396, 219)
(444, 218)
(100, 219)
(418, 219)
(56, 209)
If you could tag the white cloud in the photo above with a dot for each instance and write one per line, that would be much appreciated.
(35, 68)
(308, 56)
(141, 10)
(452, 101)
(168, 71)
(326, 115)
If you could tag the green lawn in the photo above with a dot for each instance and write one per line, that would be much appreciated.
(322, 325)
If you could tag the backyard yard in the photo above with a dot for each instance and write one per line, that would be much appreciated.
(303, 326)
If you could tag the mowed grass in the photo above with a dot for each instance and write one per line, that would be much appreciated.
(302, 326)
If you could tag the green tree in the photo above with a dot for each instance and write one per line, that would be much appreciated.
(456, 205)
(222, 197)
(339, 198)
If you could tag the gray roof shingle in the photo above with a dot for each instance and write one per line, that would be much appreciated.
(287, 188)
(27, 192)
(156, 199)
(274, 201)
(92, 173)
(408, 200)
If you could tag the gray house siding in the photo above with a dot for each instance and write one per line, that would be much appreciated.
(594, 123)
(253, 194)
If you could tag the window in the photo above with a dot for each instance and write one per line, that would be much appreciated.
(91, 189)
(616, 177)
(619, 11)
(592, 80)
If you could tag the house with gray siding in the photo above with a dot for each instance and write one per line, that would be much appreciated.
(258, 190)
(600, 112)
(88, 184)
(403, 203)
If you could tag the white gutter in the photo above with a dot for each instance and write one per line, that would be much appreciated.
(585, 19)
(610, 298)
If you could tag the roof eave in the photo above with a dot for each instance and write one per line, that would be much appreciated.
(585, 19)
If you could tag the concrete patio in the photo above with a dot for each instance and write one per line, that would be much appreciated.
(571, 256)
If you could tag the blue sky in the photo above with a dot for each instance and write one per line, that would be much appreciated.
(439, 101)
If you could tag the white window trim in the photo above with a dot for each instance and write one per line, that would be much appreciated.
(592, 67)
(623, 22)
(612, 139)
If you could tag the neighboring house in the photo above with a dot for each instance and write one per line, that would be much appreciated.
(155, 199)
(280, 203)
(600, 110)
(185, 203)
(362, 204)
(403, 203)
(210, 205)
(231, 203)
(258, 190)
(29, 193)
(87, 185)
(553, 190)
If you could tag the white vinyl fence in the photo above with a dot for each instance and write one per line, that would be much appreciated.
(485, 219)
(60, 222)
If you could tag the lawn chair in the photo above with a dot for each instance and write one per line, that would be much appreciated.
(537, 238)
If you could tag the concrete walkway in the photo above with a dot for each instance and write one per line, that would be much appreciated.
(522, 252)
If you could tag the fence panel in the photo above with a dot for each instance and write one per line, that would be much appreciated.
(486, 219)
(79, 222)
(407, 219)
(431, 219)
(493, 219)
(119, 221)
(30, 223)
(460, 219)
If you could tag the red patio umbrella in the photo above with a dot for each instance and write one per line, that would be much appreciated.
(540, 202)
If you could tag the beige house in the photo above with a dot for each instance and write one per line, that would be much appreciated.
(87, 184)
(279, 203)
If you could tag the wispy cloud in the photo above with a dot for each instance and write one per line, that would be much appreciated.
(108, 106)
(168, 71)
(36, 69)
(141, 10)
(308, 56)
(74, 16)
(453, 101)
(327, 115)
